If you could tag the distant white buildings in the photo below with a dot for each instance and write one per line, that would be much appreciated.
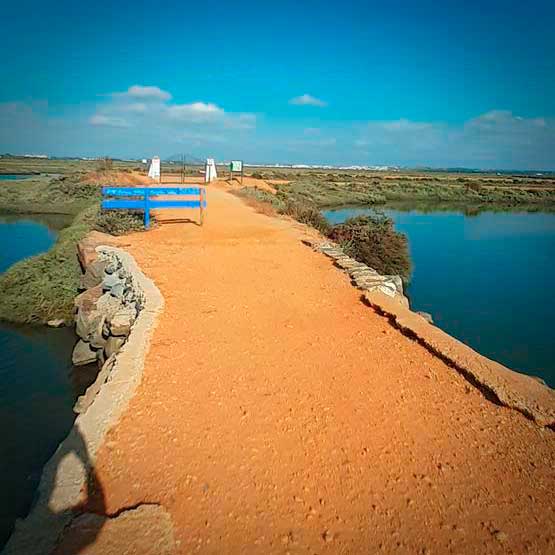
(325, 167)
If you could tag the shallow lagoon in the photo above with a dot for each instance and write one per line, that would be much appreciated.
(486, 279)
(37, 384)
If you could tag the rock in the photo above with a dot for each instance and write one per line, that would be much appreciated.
(363, 272)
(113, 266)
(88, 299)
(403, 300)
(113, 345)
(96, 337)
(110, 280)
(93, 308)
(108, 305)
(368, 280)
(121, 322)
(398, 282)
(83, 354)
(386, 287)
(426, 316)
(86, 400)
(118, 290)
(56, 323)
(86, 323)
(100, 357)
(350, 265)
(86, 248)
(93, 274)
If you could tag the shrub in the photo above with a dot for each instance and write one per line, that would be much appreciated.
(374, 241)
(119, 222)
(72, 189)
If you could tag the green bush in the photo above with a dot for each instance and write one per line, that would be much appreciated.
(119, 222)
(373, 240)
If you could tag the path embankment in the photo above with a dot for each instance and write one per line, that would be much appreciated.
(278, 412)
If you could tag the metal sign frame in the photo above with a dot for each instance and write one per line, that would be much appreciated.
(232, 171)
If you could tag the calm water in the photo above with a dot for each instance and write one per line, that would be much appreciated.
(486, 279)
(13, 177)
(37, 387)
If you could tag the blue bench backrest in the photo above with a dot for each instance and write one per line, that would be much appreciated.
(145, 198)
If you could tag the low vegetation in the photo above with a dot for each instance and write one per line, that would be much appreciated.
(42, 287)
(326, 192)
(374, 241)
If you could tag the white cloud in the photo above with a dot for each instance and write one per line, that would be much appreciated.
(196, 111)
(136, 107)
(108, 121)
(151, 108)
(497, 138)
(144, 93)
(307, 100)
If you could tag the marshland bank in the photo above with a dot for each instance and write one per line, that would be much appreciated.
(42, 288)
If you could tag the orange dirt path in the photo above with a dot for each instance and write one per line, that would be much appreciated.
(279, 414)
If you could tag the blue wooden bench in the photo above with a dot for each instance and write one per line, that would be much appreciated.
(146, 198)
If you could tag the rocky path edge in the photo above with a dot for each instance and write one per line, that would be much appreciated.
(67, 475)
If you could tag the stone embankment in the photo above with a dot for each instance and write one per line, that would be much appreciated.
(105, 311)
(364, 277)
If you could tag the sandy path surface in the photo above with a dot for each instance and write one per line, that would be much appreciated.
(279, 414)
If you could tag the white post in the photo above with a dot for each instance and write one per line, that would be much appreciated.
(210, 171)
(154, 170)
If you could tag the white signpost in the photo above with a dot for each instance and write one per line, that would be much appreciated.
(236, 166)
(154, 170)
(210, 171)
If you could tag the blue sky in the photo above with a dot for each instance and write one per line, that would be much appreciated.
(409, 83)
